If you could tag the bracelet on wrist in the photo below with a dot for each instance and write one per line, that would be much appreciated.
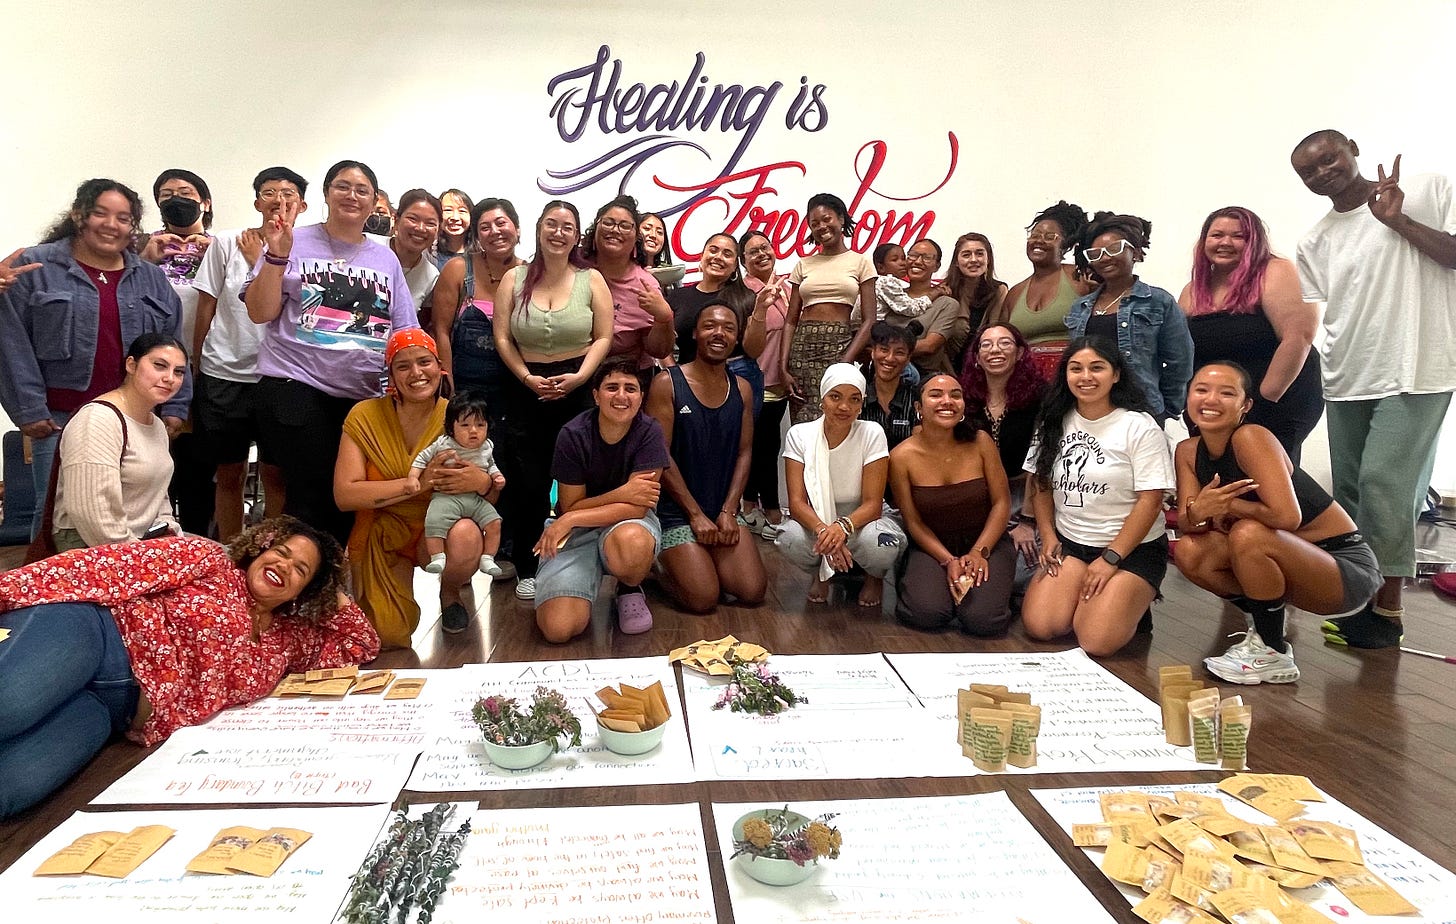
(276, 259)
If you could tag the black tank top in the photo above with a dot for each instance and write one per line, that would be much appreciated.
(1313, 500)
(705, 447)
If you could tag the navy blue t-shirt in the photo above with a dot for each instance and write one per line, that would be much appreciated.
(584, 458)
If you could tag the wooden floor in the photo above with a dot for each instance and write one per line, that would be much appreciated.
(1376, 730)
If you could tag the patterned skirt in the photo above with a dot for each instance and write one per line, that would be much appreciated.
(817, 345)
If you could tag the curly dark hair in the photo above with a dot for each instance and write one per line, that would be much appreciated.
(1071, 218)
(1059, 399)
(628, 204)
(318, 601)
(1136, 231)
(1024, 387)
(967, 427)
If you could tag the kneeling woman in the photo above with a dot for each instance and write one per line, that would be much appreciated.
(955, 501)
(1101, 466)
(1259, 532)
(148, 637)
(114, 462)
(706, 415)
(836, 468)
(608, 470)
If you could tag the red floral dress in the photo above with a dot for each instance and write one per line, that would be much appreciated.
(182, 608)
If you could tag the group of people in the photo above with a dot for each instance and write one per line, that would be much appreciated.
(431, 398)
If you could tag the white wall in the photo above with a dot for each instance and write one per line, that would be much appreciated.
(1164, 109)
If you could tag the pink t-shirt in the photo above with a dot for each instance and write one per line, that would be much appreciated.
(773, 345)
(630, 321)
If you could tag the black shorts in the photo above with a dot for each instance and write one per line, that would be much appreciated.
(225, 418)
(1148, 561)
(1359, 571)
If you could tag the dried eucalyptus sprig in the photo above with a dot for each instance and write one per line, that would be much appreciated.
(408, 867)
(444, 863)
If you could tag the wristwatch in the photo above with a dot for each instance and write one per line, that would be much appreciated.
(1111, 557)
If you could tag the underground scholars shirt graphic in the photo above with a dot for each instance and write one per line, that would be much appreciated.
(343, 305)
(1079, 477)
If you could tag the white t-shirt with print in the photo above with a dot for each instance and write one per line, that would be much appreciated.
(1390, 310)
(230, 351)
(864, 444)
(1100, 468)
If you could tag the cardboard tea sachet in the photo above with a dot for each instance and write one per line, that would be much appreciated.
(122, 858)
(372, 683)
(267, 853)
(1015, 707)
(1251, 791)
(406, 688)
(1367, 891)
(1162, 908)
(1326, 841)
(1202, 710)
(990, 736)
(1174, 700)
(1025, 728)
(80, 854)
(228, 843)
(1234, 721)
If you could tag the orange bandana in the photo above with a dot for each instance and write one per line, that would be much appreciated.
(404, 339)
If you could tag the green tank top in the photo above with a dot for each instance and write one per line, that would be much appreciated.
(568, 329)
(1049, 324)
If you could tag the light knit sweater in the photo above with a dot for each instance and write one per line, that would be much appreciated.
(105, 501)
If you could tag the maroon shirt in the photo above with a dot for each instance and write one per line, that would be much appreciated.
(108, 367)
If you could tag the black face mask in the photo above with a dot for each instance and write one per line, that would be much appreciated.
(378, 224)
(180, 212)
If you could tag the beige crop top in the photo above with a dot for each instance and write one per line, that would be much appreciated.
(567, 329)
(835, 280)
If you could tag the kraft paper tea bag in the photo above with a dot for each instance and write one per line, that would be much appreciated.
(337, 686)
(406, 688)
(1190, 894)
(1172, 673)
(1221, 824)
(228, 843)
(1325, 841)
(1245, 907)
(1233, 735)
(1091, 835)
(1275, 806)
(1186, 838)
(1288, 878)
(986, 689)
(1213, 872)
(81, 853)
(1125, 863)
(1117, 805)
(267, 853)
(991, 734)
(372, 683)
(1161, 870)
(1025, 727)
(123, 857)
(1202, 709)
(1162, 908)
(1287, 852)
(1367, 891)
(1250, 845)
(966, 700)
(331, 673)
(1175, 711)
(1002, 697)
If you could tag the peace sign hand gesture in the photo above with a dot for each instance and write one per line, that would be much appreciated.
(1387, 198)
(9, 271)
(278, 230)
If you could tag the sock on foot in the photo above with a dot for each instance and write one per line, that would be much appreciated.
(1394, 615)
(1268, 616)
(436, 563)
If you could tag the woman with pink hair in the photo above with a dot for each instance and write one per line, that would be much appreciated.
(1243, 304)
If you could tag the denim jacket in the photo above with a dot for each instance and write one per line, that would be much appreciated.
(48, 327)
(1152, 335)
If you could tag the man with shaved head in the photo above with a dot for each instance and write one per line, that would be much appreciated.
(1383, 261)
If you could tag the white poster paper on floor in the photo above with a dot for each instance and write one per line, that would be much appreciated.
(1422, 881)
(454, 756)
(1090, 720)
(358, 718)
(960, 858)
(200, 765)
(308, 887)
(617, 864)
(859, 721)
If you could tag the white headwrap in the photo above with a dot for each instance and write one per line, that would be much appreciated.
(817, 483)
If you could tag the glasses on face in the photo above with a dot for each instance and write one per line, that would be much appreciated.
(122, 218)
(278, 195)
(1005, 343)
(552, 226)
(347, 189)
(1049, 236)
(763, 251)
(1093, 254)
(607, 224)
(913, 257)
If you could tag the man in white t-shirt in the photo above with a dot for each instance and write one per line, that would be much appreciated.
(226, 347)
(1384, 263)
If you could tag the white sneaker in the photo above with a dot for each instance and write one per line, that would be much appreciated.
(755, 521)
(488, 566)
(526, 589)
(770, 531)
(1250, 661)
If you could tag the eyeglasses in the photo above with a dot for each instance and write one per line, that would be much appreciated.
(1093, 254)
(606, 224)
(346, 189)
(285, 195)
(1005, 343)
(552, 225)
(1052, 236)
(758, 251)
(920, 258)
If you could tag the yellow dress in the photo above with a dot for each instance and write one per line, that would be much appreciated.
(385, 536)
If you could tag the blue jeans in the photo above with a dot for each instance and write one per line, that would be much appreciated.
(66, 688)
(42, 457)
(747, 369)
